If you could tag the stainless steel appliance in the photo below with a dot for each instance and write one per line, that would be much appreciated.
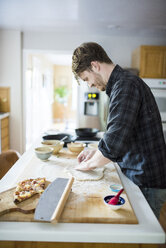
(88, 109)
(91, 103)
(158, 88)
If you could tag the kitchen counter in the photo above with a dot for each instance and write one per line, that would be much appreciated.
(148, 231)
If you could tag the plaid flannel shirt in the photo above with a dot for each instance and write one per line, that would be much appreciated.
(134, 137)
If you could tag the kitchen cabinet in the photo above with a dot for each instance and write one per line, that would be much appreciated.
(4, 132)
(4, 99)
(4, 118)
(150, 61)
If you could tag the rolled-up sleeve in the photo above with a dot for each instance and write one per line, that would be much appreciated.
(125, 101)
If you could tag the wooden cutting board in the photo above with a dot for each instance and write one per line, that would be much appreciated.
(7, 204)
(85, 202)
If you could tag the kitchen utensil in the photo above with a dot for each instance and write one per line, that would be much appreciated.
(120, 203)
(114, 200)
(86, 132)
(64, 138)
(53, 199)
(60, 136)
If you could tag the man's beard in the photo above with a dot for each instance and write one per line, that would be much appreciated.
(100, 83)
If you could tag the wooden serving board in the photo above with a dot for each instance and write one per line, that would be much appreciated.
(7, 204)
(85, 202)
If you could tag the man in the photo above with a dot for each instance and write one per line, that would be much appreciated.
(134, 137)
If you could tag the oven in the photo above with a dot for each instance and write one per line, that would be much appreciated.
(158, 88)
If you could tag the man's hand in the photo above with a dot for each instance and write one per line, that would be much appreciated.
(86, 155)
(95, 161)
(85, 166)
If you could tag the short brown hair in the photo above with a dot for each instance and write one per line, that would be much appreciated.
(85, 54)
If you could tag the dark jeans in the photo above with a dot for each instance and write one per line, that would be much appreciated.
(156, 198)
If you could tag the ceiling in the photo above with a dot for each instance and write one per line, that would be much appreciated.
(98, 17)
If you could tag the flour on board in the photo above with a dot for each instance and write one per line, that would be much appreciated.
(93, 175)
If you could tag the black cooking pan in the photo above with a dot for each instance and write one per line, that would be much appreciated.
(86, 132)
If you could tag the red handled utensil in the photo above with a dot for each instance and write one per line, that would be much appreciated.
(114, 200)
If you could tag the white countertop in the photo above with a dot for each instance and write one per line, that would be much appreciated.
(3, 115)
(147, 231)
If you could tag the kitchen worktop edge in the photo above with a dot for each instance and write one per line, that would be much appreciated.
(148, 230)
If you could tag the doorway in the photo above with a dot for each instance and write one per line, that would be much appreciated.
(50, 95)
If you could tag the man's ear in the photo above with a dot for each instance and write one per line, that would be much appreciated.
(95, 66)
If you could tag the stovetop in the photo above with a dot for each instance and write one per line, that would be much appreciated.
(89, 139)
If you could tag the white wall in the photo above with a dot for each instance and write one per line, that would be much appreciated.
(118, 47)
(10, 76)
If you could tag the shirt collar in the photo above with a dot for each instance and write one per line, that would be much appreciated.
(115, 75)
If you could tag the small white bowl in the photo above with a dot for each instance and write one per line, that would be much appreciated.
(93, 145)
(57, 145)
(114, 207)
(115, 187)
(76, 147)
(43, 153)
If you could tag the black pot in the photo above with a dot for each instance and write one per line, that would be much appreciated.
(86, 132)
(60, 136)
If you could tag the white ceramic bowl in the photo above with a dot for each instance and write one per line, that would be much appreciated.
(57, 145)
(93, 145)
(114, 207)
(76, 147)
(43, 153)
(116, 187)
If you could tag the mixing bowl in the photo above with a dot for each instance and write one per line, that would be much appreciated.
(43, 153)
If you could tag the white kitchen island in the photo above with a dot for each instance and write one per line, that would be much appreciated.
(147, 231)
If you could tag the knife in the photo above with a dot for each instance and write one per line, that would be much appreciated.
(53, 199)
